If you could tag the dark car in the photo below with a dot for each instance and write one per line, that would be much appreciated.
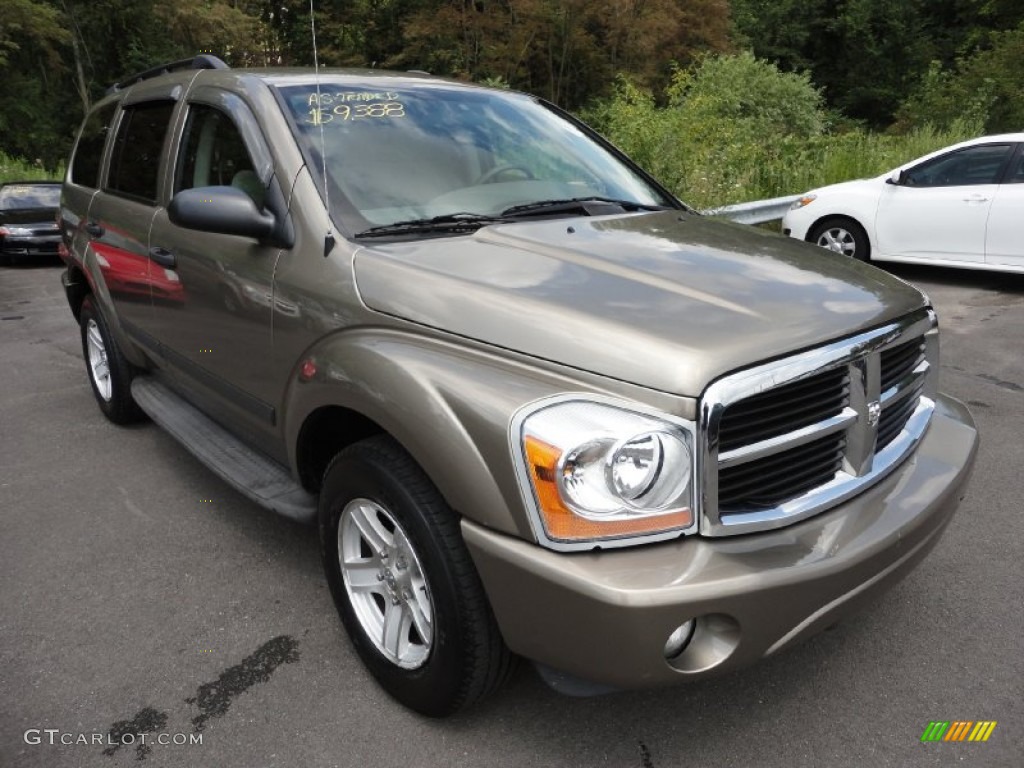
(28, 226)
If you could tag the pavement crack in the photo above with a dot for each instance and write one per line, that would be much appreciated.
(1010, 385)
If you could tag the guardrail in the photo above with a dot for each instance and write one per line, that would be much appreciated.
(756, 212)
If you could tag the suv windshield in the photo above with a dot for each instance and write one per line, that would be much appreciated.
(444, 155)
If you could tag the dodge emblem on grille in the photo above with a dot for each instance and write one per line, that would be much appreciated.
(874, 412)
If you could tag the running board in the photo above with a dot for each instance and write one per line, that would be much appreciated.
(260, 478)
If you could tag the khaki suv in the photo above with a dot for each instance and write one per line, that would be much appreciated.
(536, 406)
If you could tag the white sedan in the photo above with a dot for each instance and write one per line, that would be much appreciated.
(962, 206)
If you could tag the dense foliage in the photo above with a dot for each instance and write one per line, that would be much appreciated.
(735, 128)
(984, 87)
(66, 52)
(869, 55)
(16, 169)
(670, 80)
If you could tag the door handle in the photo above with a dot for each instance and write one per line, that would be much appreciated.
(94, 229)
(163, 257)
(975, 199)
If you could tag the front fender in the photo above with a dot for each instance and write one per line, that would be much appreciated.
(449, 405)
(861, 205)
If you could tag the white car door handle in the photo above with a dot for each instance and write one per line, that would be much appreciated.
(975, 199)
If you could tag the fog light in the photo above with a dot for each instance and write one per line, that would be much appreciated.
(679, 639)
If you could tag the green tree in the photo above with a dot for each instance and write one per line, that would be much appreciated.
(27, 27)
(982, 88)
(31, 45)
(731, 126)
(57, 57)
(864, 54)
(566, 50)
(867, 55)
(750, 91)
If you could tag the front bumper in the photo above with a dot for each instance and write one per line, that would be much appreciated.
(35, 245)
(797, 223)
(605, 616)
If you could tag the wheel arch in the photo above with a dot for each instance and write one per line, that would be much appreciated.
(324, 433)
(447, 406)
(844, 217)
(76, 288)
(830, 216)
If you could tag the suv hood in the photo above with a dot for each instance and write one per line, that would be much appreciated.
(669, 300)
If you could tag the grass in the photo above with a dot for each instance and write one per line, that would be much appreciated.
(16, 169)
(712, 168)
(831, 159)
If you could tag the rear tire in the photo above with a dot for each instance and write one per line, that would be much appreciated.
(110, 374)
(404, 583)
(843, 236)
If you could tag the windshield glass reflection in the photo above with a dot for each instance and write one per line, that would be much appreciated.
(419, 153)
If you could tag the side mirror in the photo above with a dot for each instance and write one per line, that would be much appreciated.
(896, 177)
(225, 210)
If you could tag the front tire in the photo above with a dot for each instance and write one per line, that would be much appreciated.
(403, 581)
(110, 374)
(843, 236)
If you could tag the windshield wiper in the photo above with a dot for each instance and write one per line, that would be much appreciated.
(574, 204)
(465, 221)
(449, 222)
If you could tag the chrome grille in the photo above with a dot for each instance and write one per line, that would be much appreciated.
(900, 361)
(895, 418)
(772, 480)
(901, 388)
(789, 439)
(783, 409)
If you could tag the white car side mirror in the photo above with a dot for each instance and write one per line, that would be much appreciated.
(895, 177)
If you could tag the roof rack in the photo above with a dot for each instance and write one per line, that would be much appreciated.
(202, 61)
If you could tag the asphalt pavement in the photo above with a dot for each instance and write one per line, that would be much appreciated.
(139, 594)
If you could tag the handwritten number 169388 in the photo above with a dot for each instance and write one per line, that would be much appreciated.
(320, 115)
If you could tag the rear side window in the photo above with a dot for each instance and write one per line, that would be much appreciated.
(135, 159)
(85, 166)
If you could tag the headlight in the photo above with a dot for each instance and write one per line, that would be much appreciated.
(803, 201)
(599, 472)
(15, 231)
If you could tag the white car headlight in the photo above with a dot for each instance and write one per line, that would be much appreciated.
(803, 201)
(601, 472)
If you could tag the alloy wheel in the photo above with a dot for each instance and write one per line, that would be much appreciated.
(99, 366)
(385, 583)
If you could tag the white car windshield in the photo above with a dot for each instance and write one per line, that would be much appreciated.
(19, 196)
